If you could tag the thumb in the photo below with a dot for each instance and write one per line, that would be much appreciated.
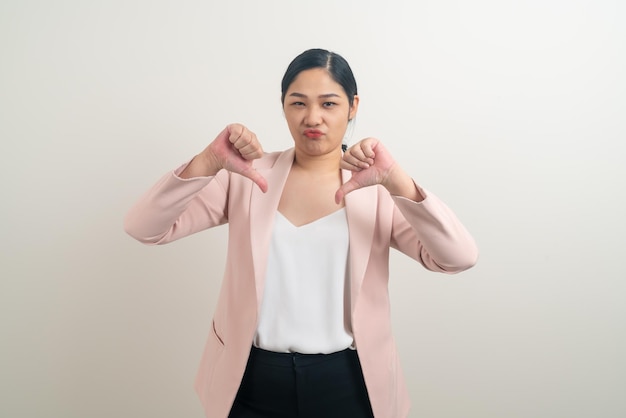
(254, 175)
(345, 188)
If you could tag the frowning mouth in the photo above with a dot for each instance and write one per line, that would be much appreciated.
(313, 133)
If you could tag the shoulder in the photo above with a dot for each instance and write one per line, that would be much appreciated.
(270, 159)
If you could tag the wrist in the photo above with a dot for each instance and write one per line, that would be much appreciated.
(210, 162)
(399, 183)
(202, 165)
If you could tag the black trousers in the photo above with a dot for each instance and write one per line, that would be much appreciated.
(292, 385)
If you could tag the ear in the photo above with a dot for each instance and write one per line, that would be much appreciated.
(354, 107)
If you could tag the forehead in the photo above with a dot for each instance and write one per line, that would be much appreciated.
(316, 81)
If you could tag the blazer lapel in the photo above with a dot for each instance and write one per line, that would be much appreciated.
(360, 210)
(263, 207)
(361, 213)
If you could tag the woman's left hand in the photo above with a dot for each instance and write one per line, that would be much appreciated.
(372, 164)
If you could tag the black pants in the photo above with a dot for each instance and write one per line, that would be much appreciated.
(281, 385)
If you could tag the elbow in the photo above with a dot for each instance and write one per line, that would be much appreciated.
(452, 262)
(134, 229)
(131, 228)
(463, 262)
(467, 264)
(466, 256)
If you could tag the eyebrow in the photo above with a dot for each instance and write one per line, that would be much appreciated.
(321, 96)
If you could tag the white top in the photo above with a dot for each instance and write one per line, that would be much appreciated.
(305, 306)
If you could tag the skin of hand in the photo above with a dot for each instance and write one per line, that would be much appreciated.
(233, 149)
(372, 164)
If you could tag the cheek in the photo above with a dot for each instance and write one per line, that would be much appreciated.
(292, 124)
(289, 118)
(341, 122)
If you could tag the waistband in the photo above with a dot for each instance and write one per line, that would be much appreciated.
(291, 359)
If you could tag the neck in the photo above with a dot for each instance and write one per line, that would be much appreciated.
(328, 163)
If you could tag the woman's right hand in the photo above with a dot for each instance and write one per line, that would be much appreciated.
(233, 149)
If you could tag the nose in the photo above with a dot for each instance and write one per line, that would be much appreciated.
(313, 116)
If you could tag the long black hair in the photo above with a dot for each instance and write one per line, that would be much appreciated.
(335, 64)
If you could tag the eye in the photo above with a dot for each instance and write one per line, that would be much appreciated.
(330, 104)
(297, 104)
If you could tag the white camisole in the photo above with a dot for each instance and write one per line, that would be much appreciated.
(305, 307)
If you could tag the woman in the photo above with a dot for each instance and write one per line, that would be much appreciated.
(302, 326)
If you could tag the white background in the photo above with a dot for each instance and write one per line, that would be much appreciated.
(513, 112)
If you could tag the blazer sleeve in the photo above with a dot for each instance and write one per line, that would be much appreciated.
(430, 232)
(174, 207)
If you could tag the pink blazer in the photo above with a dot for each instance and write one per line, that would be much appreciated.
(427, 231)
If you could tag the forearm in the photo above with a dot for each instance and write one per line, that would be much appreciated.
(176, 207)
(430, 232)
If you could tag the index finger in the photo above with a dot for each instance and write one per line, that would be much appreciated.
(367, 146)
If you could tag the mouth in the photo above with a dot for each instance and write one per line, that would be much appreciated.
(313, 133)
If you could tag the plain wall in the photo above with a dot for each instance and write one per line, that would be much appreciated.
(513, 112)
